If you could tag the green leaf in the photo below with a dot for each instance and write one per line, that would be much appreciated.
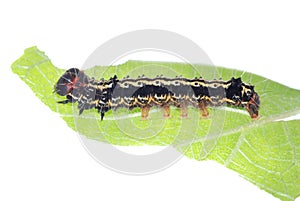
(265, 151)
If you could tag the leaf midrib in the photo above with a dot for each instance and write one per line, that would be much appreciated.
(255, 123)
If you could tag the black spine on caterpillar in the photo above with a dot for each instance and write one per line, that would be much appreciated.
(160, 91)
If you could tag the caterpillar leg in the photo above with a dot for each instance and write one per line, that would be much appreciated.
(183, 110)
(203, 108)
(166, 111)
(145, 112)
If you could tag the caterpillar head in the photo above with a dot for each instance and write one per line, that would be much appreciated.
(70, 80)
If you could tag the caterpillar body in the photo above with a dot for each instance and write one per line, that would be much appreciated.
(145, 93)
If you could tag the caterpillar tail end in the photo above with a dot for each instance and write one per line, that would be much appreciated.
(253, 106)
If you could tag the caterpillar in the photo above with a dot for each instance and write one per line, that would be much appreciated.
(145, 93)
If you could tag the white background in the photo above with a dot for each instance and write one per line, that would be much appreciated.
(42, 159)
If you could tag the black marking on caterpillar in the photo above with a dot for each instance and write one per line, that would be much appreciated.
(144, 92)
